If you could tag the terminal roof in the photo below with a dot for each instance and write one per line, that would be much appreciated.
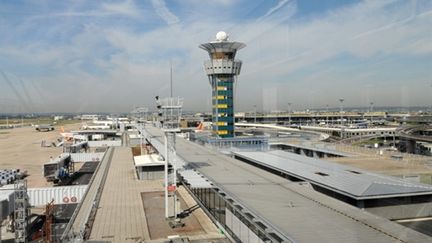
(293, 209)
(352, 182)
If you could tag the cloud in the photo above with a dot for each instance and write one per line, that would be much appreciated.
(279, 5)
(163, 11)
(126, 8)
(108, 65)
(306, 44)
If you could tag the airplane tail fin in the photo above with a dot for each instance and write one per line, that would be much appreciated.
(200, 126)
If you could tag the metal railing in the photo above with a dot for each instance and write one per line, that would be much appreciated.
(77, 225)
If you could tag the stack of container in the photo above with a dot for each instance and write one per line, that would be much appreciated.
(9, 176)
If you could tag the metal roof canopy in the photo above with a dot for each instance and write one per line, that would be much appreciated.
(346, 180)
(195, 179)
(313, 148)
(55, 160)
(148, 160)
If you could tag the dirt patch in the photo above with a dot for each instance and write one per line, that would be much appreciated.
(155, 214)
(21, 149)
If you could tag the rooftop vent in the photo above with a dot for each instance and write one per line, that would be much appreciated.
(354, 172)
(321, 174)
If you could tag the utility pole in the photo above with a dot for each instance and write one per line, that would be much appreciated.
(171, 80)
(255, 114)
(327, 115)
(371, 111)
(341, 100)
(141, 142)
(431, 96)
(289, 113)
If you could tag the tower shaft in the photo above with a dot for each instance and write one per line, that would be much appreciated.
(222, 105)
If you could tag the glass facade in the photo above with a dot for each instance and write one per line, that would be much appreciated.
(217, 205)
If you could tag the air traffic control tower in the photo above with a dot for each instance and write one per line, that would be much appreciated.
(222, 70)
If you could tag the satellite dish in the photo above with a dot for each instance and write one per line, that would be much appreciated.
(221, 36)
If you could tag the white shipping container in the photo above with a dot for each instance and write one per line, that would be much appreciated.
(86, 157)
(97, 137)
(61, 195)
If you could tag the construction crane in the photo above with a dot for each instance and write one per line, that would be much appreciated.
(49, 211)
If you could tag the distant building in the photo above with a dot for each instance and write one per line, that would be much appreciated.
(57, 118)
(89, 117)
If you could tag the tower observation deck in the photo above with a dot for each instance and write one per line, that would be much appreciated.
(222, 70)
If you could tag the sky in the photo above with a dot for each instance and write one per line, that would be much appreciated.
(112, 56)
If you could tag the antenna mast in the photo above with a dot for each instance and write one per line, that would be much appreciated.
(171, 84)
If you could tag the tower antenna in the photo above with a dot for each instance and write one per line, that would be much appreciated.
(171, 83)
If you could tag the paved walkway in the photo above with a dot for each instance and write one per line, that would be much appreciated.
(120, 217)
(78, 221)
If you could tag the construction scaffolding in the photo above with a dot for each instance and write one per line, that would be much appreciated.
(20, 210)
(140, 113)
(169, 112)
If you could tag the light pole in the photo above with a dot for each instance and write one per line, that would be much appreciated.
(327, 114)
(371, 111)
(255, 113)
(341, 100)
(289, 113)
(431, 96)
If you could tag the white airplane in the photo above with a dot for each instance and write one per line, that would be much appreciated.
(92, 127)
(66, 135)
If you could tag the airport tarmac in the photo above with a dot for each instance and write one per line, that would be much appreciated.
(20, 148)
(371, 160)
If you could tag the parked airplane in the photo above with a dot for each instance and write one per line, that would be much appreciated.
(44, 128)
(69, 136)
(66, 135)
(200, 127)
(94, 127)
